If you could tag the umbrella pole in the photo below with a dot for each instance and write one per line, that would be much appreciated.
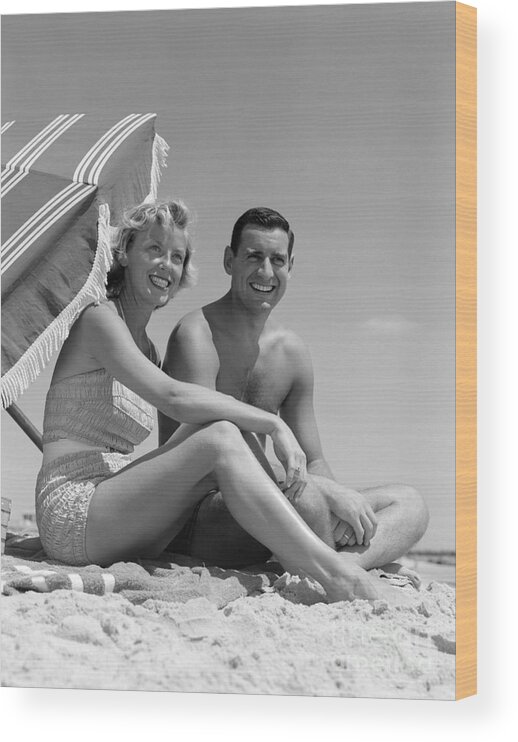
(26, 425)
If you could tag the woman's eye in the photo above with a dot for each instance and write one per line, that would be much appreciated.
(155, 248)
(178, 259)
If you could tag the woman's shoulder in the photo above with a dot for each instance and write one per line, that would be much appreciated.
(89, 322)
(78, 352)
(100, 309)
(101, 312)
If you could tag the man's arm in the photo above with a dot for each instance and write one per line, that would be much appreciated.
(298, 412)
(346, 505)
(191, 357)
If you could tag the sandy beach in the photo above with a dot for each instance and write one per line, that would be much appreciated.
(223, 631)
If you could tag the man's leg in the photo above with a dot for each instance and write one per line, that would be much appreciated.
(402, 518)
(313, 507)
(214, 537)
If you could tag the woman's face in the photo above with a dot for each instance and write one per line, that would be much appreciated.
(154, 264)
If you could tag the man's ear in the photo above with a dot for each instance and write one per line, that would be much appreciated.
(227, 260)
(290, 265)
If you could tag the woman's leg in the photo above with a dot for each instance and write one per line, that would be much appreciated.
(137, 511)
(147, 502)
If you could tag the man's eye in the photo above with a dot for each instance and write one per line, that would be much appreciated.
(279, 261)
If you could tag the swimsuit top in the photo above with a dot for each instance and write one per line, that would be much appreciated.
(95, 408)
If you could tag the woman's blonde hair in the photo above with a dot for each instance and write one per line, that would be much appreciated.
(140, 218)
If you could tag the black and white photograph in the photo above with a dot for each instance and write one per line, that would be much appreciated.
(228, 350)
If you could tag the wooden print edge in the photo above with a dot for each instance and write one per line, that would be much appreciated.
(466, 349)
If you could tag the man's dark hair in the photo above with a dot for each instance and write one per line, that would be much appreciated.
(263, 218)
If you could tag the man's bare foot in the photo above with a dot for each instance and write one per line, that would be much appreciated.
(394, 595)
(353, 583)
(405, 573)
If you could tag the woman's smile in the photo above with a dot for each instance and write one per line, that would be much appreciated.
(159, 281)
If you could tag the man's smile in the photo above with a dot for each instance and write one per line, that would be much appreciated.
(262, 287)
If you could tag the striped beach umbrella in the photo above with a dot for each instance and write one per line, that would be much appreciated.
(64, 182)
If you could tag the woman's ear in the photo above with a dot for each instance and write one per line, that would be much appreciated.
(123, 254)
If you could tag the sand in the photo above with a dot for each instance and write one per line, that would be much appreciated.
(279, 640)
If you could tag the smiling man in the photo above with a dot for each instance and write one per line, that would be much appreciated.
(234, 345)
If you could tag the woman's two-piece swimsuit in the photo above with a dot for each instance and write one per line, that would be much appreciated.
(96, 409)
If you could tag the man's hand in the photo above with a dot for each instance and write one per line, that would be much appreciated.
(354, 520)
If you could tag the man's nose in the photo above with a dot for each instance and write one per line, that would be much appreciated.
(266, 268)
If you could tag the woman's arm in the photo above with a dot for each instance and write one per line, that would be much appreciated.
(109, 341)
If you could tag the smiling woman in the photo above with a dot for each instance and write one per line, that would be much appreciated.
(95, 505)
(160, 232)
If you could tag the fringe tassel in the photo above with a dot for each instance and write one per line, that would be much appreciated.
(33, 361)
(160, 152)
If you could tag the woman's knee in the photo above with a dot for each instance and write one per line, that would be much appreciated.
(222, 435)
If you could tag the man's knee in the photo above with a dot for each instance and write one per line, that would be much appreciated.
(423, 512)
(411, 500)
(314, 510)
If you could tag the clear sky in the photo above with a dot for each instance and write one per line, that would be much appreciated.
(340, 117)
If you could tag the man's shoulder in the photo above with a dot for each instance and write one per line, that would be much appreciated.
(289, 341)
(190, 346)
(192, 325)
(191, 334)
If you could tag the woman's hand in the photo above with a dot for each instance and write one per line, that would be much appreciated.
(293, 459)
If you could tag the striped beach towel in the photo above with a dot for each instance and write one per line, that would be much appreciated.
(64, 180)
(137, 582)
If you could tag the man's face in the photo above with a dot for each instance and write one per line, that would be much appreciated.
(261, 268)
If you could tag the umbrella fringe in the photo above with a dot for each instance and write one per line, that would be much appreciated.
(33, 361)
(160, 151)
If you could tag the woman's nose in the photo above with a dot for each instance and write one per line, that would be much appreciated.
(167, 262)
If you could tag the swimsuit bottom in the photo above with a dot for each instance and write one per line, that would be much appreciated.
(64, 489)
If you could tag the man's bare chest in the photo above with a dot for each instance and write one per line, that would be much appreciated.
(259, 376)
